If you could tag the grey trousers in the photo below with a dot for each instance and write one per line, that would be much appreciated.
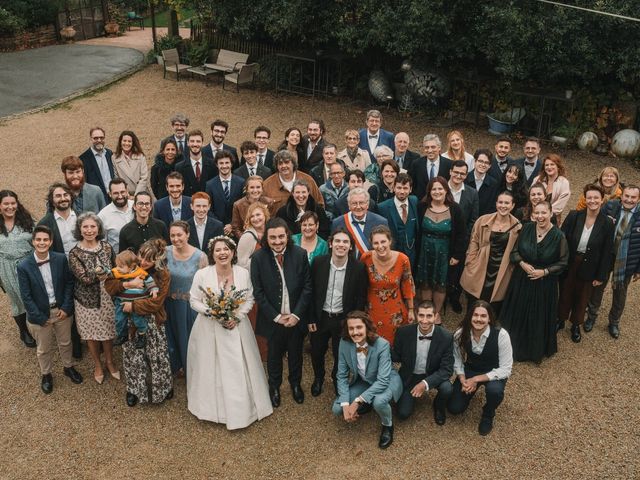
(618, 301)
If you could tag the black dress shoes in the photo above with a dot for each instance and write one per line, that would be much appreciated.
(132, 400)
(439, 416)
(73, 374)
(588, 324)
(386, 437)
(576, 336)
(456, 306)
(274, 394)
(27, 339)
(316, 387)
(614, 331)
(47, 383)
(485, 426)
(560, 325)
(298, 394)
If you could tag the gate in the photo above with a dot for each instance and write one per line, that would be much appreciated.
(87, 17)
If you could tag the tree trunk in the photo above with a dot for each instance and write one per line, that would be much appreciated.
(173, 23)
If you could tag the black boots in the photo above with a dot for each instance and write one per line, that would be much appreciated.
(25, 336)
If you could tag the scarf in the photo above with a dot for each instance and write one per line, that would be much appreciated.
(620, 264)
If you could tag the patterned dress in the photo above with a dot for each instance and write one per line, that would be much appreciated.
(388, 292)
(13, 249)
(94, 310)
(433, 264)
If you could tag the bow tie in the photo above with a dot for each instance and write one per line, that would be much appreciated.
(373, 136)
(362, 350)
(42, 262)
(503, 163)
(425, 337)
(531, 164)
(359, 222)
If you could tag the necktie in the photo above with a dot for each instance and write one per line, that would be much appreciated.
(432, 171)
(42, 262)
(227, 193)
(198, 172)
(252, 171)
(280, 259)
(424, 337)
(404, 212)
(261, 159)
(181, 145)
(399, 161)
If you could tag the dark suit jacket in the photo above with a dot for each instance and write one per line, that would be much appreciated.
(405, 235)
(385, 137)
(191, 186)
(409, 158)
(487, 193)
(213, 228)
(92, 172)
(372, 220)
(268, 160)
(495, 171)
(354, 290)
(222, 209)
(470, 206)
(49, 221)
(207, 152)
(596, 263)
(181, 155)
(243, 171)
(162, 210)
(316, 155)
(536, 170)
(267, 287)
(34, 293)
(459, 236)
(420, 175)
(439, 366)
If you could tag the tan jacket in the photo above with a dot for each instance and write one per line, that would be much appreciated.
(273, 188)
(475, 267)
(239, 214)
(134, 171)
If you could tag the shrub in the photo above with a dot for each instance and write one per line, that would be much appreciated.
(10, 25)
(33, 13)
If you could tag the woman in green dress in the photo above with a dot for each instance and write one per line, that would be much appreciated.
(529, 311)
(309, 238)
(16, 226)
(443, 236)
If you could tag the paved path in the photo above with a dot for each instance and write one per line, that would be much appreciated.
(31, 79)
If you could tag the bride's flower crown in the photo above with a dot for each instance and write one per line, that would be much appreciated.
(221, 237)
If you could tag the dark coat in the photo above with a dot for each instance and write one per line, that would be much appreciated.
(316, 155)
(487, 194)
(220, 207)
(420, 175)
(213, 228)
(261, 170)
(289, 213)
(405, 235)
(49, 221)
(159, 171)
(459, 236)
(191, 186)
(92, 172)
(162, 210)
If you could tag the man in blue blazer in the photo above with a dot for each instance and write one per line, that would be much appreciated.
(432, 165)
(401, 212)
(98, 166)
(176, 206)
(366, 378)
(46, 287)
(483, 183)
(219, 129)
(359, 221)
(374, 136)
(425, 352)
(202, 226)
(501, 159)
(225, 189)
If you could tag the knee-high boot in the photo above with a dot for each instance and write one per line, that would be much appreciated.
(25, 336)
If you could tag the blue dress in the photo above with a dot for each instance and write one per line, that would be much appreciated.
(180, 316)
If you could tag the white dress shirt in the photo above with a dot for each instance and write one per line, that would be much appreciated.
(505, 354)
(66, 228)
(45, 271)
(200, 228)
(335, 286)
(285, 307)
(113, 219)
(361, 357)
(436, 169)
(373, 142)
(399, 204)
(103, 166)
(584, 239)
(193, 165)
(456, 193)
(422, 352)
(479, 180)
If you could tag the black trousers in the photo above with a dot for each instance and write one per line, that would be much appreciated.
(332, 329)
(284, 340)
(406, 403)
(493, 391)
(454, 273)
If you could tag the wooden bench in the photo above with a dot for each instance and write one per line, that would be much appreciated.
(228, 61)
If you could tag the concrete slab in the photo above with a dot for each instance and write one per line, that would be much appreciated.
(30, 79)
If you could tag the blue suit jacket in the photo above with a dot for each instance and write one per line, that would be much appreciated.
(220, 207)
(34, 293)
(385, 137)
(372, 220)
(162, 210)
(213, 228)
(405, 235)
(536, 170)
(379, 372)
(92, 172)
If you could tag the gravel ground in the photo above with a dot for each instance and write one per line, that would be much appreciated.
(575, 416)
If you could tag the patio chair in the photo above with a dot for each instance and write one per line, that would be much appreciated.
(246, 74)
(134, 18)
(172, 63)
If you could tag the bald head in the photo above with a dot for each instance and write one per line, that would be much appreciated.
(402, 143)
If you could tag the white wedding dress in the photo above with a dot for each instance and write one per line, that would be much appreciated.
(226, 382)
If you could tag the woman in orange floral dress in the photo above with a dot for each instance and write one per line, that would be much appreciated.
(391, 288)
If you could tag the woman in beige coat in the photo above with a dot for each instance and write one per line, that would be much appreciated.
(487, 268)
(130, 163)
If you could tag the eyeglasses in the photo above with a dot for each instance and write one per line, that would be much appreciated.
(336, 173)
(459, 174)
(143, 204)
(218, 130)
(97, 138)
(483, 162)
(352, 138)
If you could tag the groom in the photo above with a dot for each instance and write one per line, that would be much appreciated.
(282, 289)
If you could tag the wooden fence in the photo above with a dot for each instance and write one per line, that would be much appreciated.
(256, 50)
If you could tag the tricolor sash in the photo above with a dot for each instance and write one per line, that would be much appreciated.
(357, 234)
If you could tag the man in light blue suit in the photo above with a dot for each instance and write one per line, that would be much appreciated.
(374, 136)
(359, 221)
(401, 212)
(366, 378)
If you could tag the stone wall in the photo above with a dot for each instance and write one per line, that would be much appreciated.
(38, 37)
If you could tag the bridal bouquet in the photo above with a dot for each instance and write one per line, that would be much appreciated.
(223, 304)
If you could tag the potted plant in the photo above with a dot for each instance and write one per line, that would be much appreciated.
(116, 19)
(67, 32)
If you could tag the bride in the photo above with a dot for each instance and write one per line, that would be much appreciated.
(225, 377)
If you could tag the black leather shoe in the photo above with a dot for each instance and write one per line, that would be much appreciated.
(298, 394)
(439, 416)
(575, 333)
(132, 400)
(588, 324)
(456, 306)
(560, 325)
(386, 437)
(27, 339)
(73, 374)
(485, 426)
(316, 388)
(614, 331)
(47, 383)
(274, 394)
(364, 408)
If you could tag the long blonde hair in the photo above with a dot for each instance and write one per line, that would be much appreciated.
(450, 153)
